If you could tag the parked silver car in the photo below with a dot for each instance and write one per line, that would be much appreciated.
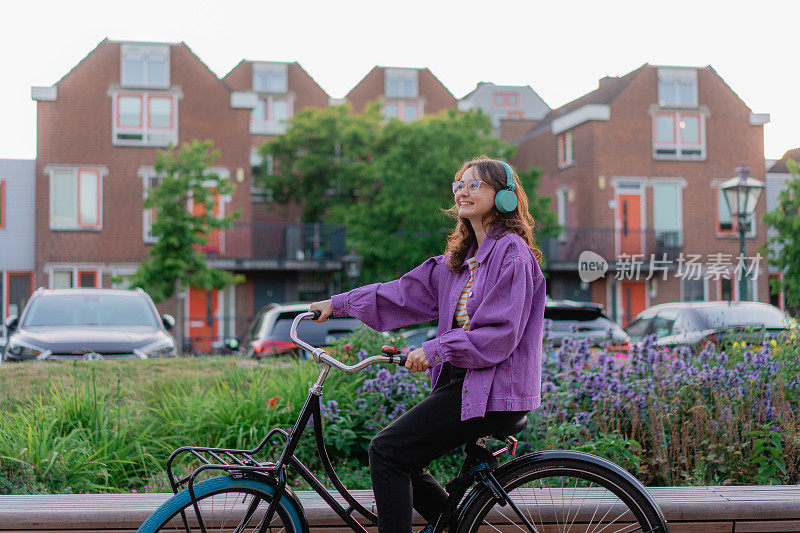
(696, 324)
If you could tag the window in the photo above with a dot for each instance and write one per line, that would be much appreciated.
(271, 115)
(677, 88)
(694, 289)
(145, 119)
(725, 223)
(566, 150)
(270, 78)
(2, 204)
(404, 110)
(67, 278)
(505, 98)
(678, 135)
(667, 214)
(145, 66)
(151, 181)
(401, 83)
(20, 287)
(75, 195)
(561, 200)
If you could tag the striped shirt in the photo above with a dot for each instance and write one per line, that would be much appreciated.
(461, 308)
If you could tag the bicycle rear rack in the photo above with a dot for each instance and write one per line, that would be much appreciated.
(236, 462)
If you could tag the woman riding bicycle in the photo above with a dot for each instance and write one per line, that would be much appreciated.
(488, 293)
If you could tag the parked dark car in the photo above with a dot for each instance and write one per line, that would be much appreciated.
(695, 324)
(415, 337)
(565, 318)
(88, 324)
(268, 332)
(582, 320)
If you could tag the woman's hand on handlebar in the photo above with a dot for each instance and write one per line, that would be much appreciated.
(417, 361)
(325, 307)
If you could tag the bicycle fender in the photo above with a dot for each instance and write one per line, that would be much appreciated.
(566, 455)
(289, 500)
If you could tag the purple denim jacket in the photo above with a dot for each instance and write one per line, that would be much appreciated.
(502, 351)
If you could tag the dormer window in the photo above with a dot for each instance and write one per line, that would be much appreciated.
(270, 78)
(144, 66)
(401, 83)
(677, 88)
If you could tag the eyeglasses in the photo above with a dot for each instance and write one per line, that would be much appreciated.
(473, 185)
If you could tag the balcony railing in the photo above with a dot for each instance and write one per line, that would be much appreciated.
(563, 252)
(278, 241)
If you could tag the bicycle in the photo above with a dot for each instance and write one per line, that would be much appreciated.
(538, 492)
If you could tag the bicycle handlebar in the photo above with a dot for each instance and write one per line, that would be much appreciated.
(321, 356)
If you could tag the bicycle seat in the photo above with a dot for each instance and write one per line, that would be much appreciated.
(512, 428)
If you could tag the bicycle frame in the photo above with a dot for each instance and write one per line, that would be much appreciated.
(242, 463)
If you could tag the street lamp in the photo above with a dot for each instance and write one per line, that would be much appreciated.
(352, 266)
(742, 194)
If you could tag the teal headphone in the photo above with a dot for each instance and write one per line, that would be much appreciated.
(506, 201)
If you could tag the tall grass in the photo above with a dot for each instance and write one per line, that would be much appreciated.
(670, 417)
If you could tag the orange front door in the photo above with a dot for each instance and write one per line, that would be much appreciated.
(202, 319)
(629, 222)
(214, 244)
(633, 300)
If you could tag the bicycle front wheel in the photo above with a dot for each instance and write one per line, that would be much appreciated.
(226, 505)
(560, 495)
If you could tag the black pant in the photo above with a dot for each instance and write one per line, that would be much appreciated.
(399, 453)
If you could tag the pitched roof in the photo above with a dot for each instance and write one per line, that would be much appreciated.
(608, 90)
(780, 165)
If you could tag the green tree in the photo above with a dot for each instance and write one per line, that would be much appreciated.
(176, 261)
(322, 160)
(388, 182)
(785, 219)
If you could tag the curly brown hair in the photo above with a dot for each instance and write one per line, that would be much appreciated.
(518, 221)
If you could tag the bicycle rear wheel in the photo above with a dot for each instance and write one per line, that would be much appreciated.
(560, 495)
(226, 505)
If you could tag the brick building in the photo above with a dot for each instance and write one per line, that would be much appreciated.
(634, 169)
(403, 93)
(99, 128)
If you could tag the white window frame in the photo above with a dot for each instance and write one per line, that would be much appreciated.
(145, 52)
(566, 149)
(676, 77)
(680, 184)
(150, 135)
(147, 174)
(126, 272)
(680, 149)
(264, 67)
(408, 83)
(562, 198)
(401, 109)
(266, 125)
(51, 170)
(75, 269)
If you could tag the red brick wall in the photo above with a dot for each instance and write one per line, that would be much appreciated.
(76, 129)
(436, 96)
(367, 90)
(622, 147)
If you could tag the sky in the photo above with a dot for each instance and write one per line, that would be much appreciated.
(560, 48)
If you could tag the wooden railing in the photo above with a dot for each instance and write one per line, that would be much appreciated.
(687, 509)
